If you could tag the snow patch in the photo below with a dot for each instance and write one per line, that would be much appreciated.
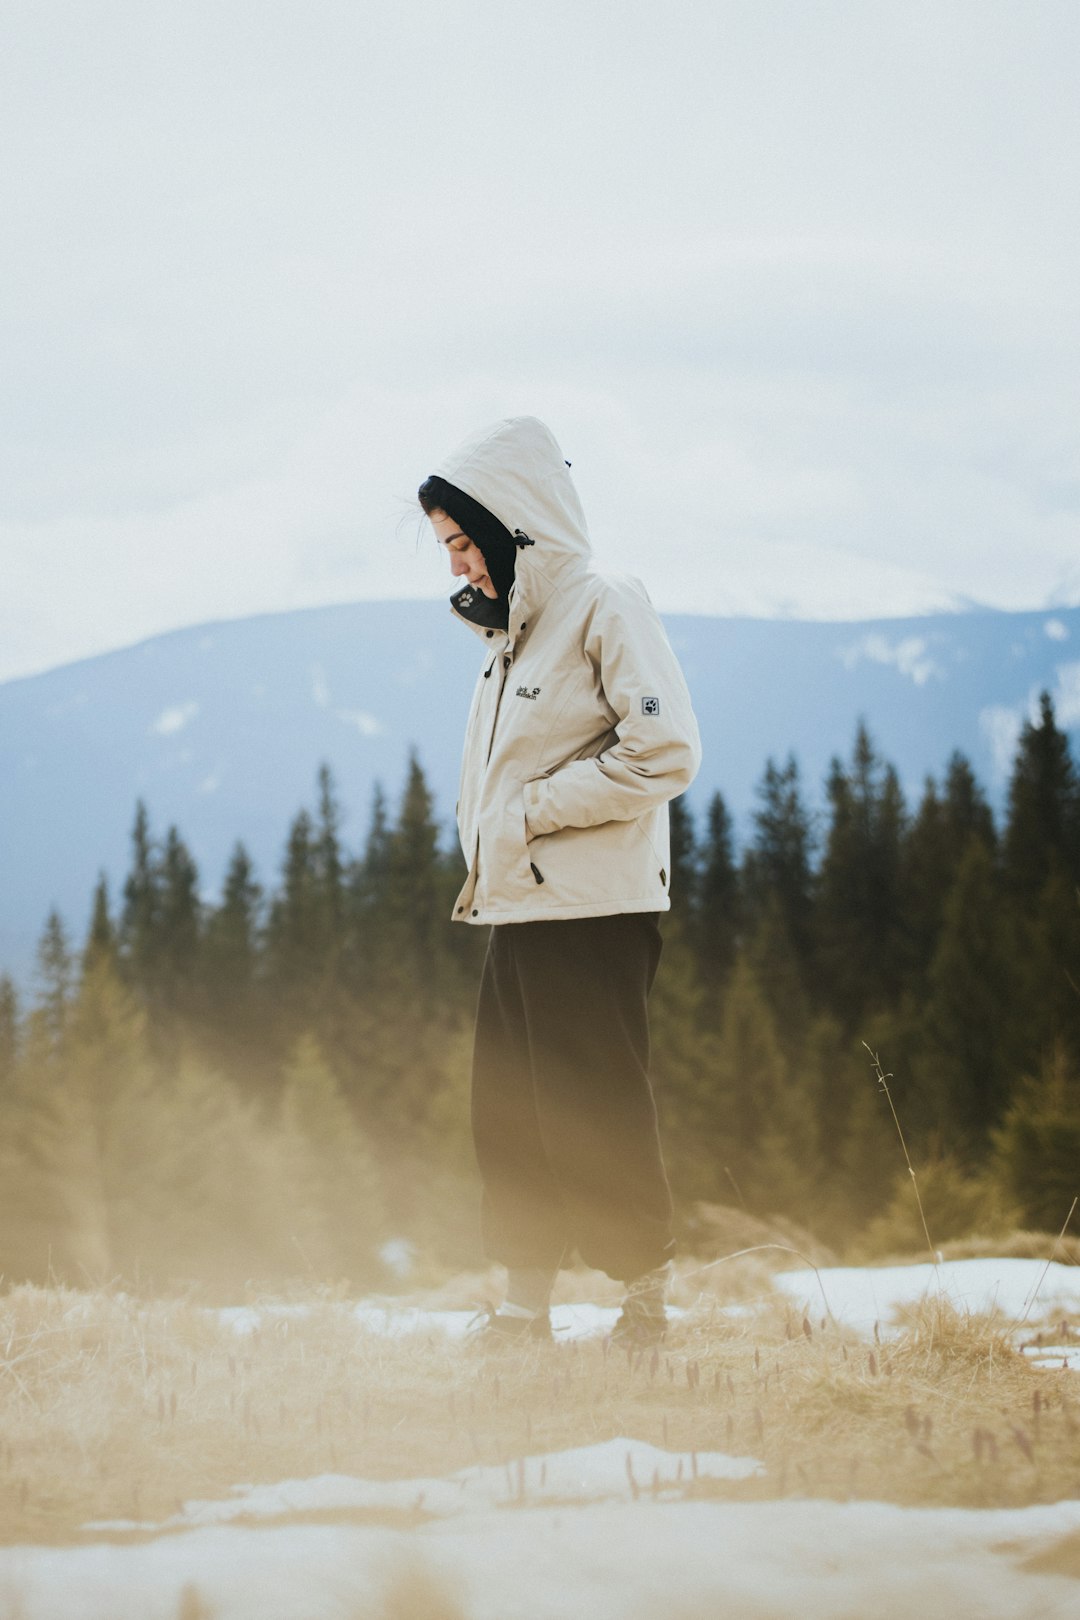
(609, 1557)
(169, 721)
(911, 656)
(860, 1296)
(612, 1470)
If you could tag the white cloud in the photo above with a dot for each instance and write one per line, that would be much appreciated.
(1002, 723)
(169, 721)
(365, 723)
(1055, 630)
(210, 784)
(911, 656)
(1001, 727)
(320, 692)
(1066, 694)
(830, 373)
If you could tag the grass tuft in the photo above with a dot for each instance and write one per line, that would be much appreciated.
(113, 1408)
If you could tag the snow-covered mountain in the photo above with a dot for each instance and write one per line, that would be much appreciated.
(221, 728)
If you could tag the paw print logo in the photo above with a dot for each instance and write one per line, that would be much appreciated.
(650, 705)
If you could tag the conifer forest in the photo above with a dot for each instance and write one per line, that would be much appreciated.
(274, 1087)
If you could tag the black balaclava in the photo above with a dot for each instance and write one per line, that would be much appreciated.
(492, 538)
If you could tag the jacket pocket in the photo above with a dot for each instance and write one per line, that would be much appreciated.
(505, 874)
(609, 864)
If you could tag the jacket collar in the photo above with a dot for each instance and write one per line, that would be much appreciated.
(479, 611)
(529, 594)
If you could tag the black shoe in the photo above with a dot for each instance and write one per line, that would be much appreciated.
(643, 1321)
(492, 1327)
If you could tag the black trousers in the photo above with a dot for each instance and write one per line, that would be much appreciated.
(563, 1115)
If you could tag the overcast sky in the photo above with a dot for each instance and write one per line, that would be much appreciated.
(793, 281)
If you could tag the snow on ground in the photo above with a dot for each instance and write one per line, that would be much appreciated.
(603, 1530)
(613, 1469)
(1029, 1292)
(580, 1537)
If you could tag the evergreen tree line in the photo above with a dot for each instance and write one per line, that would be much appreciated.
(276, 1084)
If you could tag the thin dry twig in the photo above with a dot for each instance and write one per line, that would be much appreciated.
(1030, 1302)
(758, 1248)
(883, 1082)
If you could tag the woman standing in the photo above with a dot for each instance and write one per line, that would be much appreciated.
(580, 732)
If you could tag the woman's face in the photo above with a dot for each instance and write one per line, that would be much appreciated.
(466, 558)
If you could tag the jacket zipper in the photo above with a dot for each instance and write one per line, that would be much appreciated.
(506, 662)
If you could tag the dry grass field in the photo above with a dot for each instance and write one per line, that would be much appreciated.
(119, 1408)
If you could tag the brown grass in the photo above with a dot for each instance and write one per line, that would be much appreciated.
(118, 1408)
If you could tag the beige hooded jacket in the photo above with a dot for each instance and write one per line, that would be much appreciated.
(581, 727)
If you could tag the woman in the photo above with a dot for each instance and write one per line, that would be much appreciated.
(580, 732)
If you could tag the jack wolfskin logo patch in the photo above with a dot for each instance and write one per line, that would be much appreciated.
(528, 691)
(465, 599)
(650, 706)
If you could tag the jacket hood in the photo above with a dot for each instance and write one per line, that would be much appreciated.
(516, 469)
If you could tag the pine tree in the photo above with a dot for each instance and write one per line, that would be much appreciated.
(717, 923)
(9, 1040)
(927, 872)
(1043, 807)
(932, 850)
(971, 1055)
(967, 814)
(763, 1128)
(683, 886)
(684, 1069)
(231, 990)
(55, 974)
(1037, 1148)
(778, 972)
(860, 950)
(329, 873)
(293, 933)
(29, 1199)
(232, 932)
(179, 925)
(216, 1209)
(139, 920)
(368, 887)
(334, 1195)
(376, 864)
(414, 933)
(868, 1152)
(103, 1150)
(778, 862)
(81, 1132)
(101, 944)
(1048, 977)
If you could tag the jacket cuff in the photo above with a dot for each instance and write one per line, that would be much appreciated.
(534, 817)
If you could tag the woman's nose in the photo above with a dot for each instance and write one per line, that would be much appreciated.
(458, 565)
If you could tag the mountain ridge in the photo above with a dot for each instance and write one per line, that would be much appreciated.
(220, 727)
